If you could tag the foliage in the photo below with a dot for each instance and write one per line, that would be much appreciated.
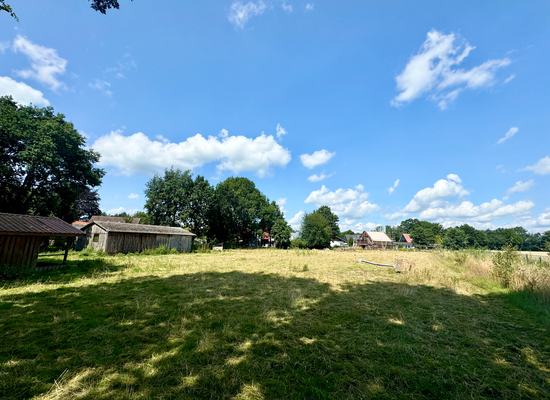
(350, 242)
(505, 263)
(176, 199)
(424, 233)
(87, 204)
(239, 211)
(455, 239)
(44, 165)
(281, 233)
(298, 243)
(6, 7)
(103, 5)
(332, 220)
(316, 231)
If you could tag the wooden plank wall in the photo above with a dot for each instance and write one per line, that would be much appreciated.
(19, 251)
(125, 243)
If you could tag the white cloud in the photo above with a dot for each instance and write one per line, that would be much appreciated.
(538, 224)
(521, 187)
(45, 62)
(296, 221)
(509, 78)
(102, 86)
(344, 203)
(392, 189)
(485, 212)
(223, 133)
(4, 46)
(21, 92)
(542, 167)
(240, 13)
(318, 178)
(430, 197)
(286, 7)
(133, 196)
(120, 210)
(309, 7)
(508, 135)
(280, 131)
(477, 225)
(317, 158)
(357, 227)
(281, 203)
(433, 71)
(138, 154)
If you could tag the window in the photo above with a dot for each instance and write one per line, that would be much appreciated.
(96, 238)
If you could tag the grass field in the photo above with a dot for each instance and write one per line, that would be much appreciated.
(271, 324)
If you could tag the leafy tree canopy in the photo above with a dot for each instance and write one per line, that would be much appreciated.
(88, 204)
(176, 199)
(6, 7)
(332, 220)
(455, 239)
(44, 165)
(281, 233)
(316, 231)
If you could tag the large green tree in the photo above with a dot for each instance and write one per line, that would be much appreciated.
(240, 211)
(44, 164)
(332, 220)
(316, 231)
(455, 239)
(176, 199)
(281, 233)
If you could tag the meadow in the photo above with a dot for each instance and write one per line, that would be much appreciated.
(276, 324)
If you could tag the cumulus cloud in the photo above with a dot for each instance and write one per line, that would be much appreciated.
(508, 135)
(281, 203)
(485, 212)
(280, 131)
(45, 63)
(430, 197)
(102, 86)
(296, 221)
(21, 92)
(540, 223)
(309, 7)
(240, 13)
(348, 203)
(139, 154)
(120, 210)
(392, 189)
(521, 187)
(434, 71)
(317, 158)
(355, 226)
(542, 167)
(133, 196)
(318, 178)
(286, 7)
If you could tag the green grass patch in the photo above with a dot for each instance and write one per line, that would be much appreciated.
(264, 325)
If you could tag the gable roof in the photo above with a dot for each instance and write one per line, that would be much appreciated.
(355, 237)
(121, 227)
(32, 225)
(407, 237)
(378, 236)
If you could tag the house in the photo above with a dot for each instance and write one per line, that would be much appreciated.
(354, 237)
(21, 236)
(120, 237)
(373, 240)
(267, 240)
(405, 241)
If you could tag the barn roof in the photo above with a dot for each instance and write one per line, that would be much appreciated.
(378, 236)
(101, 218)
(120, 227)
(32, 225)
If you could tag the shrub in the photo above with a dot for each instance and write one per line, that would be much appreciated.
(174, 251)
(161, 250)
(201, 248)
(88, 251)
(504, 264)
(298, 243)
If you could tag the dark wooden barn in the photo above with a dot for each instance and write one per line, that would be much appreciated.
(21, 236)
(117, 237)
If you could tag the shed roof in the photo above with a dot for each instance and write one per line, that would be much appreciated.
(32, 225)
(119, 227)
(378, 236)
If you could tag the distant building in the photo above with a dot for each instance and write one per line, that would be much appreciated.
(119, 237)
(354, 237)
(374, 240)
(338, 242)
(405, 241)
(101, 218)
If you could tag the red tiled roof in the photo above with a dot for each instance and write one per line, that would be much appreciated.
(407, 237)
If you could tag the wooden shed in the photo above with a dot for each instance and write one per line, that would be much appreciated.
(118, 237)
(21, 236)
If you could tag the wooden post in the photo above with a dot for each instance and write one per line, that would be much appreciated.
(70, 241)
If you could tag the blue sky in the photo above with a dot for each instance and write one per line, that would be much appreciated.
(381, 110)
